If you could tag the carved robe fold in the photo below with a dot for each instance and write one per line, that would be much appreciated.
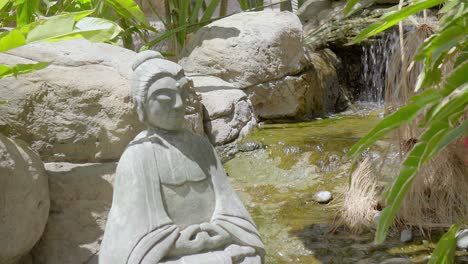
(139, 229)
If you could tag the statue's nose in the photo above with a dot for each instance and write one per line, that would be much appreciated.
(179, 102)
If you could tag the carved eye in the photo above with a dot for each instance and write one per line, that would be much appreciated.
(163, 98)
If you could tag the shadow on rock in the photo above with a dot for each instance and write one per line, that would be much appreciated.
(81, 196)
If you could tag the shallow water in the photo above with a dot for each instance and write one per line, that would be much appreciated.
(278, 179)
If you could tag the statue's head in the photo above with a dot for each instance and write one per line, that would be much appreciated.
(159, 90)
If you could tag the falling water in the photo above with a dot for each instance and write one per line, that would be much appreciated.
(375, 59)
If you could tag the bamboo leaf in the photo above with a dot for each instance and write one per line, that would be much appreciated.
(210, 9)
(91, 28)
(130, 10)
(4, 3)
(435, 137)
(12, 40)
(393, 18)
(196, 11)
(52, 27)
(17, 69)
(394, 120)
(349, 6)
(25, 10)
(445, 249)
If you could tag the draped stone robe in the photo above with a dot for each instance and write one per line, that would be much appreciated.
(140, 228)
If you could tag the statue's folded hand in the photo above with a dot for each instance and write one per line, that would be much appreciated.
(191, 240)
(217, 235)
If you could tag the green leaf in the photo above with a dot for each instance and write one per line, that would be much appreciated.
(434, 137)
(3, 102)
(393, 18)
(243, 4)
(4, 3)
(18, 69)
(93, 29)
(210, 10)
(129, 10)
(445, 249)
(394, 120)
(52, 27)
(349, 6)
(196, 10)
(457, 100)
(25, 10)
(12, 40)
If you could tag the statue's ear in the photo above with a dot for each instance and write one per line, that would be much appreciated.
(140, 108)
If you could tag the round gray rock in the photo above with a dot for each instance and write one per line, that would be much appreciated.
(406, 235)
(323, 197)
(24, 199)
(462, 239)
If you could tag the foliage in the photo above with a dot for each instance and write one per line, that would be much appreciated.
(56, 28)
(445, 250)
(125, 13)
(183, 18)
(443, 101)
(51, 21)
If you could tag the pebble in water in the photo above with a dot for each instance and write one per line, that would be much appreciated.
(323, 197)
(406, 235)
(462, 239)
(376, 219)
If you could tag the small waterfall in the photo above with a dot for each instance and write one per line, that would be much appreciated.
(375, 61)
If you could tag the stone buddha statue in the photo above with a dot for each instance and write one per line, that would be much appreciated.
(172, 200)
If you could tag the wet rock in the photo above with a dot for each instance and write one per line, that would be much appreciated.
(250, 146)
(406, 235)
(24, 199)
(462, 239)
(396, 261)
(323, 197)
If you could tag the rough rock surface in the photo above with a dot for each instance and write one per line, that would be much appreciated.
(311, 9)
(315, 92)
(24, 199)
(81, 196)
(78, 109)
(228, 113)
(248, 48)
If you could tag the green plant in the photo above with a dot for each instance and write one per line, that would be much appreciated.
(56, 28)
(442, 100)
(125, 13)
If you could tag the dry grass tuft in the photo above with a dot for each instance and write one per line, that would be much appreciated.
(360, 200)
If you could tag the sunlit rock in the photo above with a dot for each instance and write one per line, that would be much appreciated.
(24, 199)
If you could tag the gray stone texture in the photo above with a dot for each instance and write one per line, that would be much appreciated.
(79, 108)
(24, 199)
(81, 196)
(247, 49)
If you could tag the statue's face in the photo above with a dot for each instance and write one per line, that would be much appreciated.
(165, 103)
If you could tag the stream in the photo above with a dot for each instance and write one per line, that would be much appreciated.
(278, 170)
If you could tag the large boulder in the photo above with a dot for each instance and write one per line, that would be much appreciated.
(79, 108)
(247, 48)
(24, 199)
(262, 53)
(81, 196)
